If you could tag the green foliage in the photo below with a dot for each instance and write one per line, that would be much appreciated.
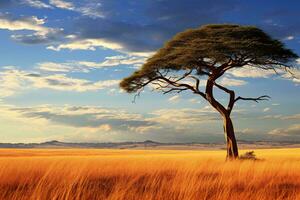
(208, 47)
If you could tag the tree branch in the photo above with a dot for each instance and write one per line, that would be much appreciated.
(197, 82)
(178, 90)
(184, 76)
(172, 85)
(261, 98)
(184, 85)
(231, 96)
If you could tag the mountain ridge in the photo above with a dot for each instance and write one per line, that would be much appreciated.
(148, 144)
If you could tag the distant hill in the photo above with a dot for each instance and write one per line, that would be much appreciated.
(149, 144)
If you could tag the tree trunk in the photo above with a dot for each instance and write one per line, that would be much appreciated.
(232, 148)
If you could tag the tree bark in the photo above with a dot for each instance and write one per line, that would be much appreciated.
(232, 148)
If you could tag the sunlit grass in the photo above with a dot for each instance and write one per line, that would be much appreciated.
(147, 174)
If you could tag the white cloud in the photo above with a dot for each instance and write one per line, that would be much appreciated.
(185, 116)
(289, 37)
(54, 67)
(275, 104)
(115, 61)
(90, 9)
(271, 117)
(293, 130)
(8, 67)
(294, 74)
(246, 131)
(13, 81)
(31, 23)
(232, 82)
(36, 3)
(62, 4)
(282, 117)
(74, 66)
(92, 44)
(174, 99)
(142, 54)
(110, 122)
(250, 72)
(86, 44)
(194, 100)
(103, 127)
(32, 29)
(291, 117)
(85, 66)
(90, 118)
(10, 82)
(63, 83)
(266, 109)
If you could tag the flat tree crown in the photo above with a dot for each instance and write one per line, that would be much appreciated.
(209, 47)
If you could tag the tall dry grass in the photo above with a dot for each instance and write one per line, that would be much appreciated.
(147, 174)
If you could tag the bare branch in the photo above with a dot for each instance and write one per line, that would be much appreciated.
(231, 96)
(261, 98)
(184, 76)
(178, 90)
(166, 84)
(223, 88)
(197, 82)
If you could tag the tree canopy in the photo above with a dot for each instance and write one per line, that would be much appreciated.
(213, 49)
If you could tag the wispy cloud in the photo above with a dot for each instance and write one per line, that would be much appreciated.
(174, 99)
(232, 82)
(292, 130)
(113, 61)
(291, 117)
(289, 37)
(86, 44)
(39, 32)
(12, 81)
(36, 3)
(112, 119)
(63, 83)
(82, 116)
(294, 74)
(185, 116)
(85, 66)
(282, 117)
(87, 8)
(56, 67)
(29, 23)
(250, 72)
(90, 123)
(194, 100)
(62, 4)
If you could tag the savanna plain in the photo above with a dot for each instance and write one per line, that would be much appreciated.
(87, 174)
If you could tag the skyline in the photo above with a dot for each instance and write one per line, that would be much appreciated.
(62, 62)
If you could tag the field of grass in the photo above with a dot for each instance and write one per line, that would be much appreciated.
(147, 174)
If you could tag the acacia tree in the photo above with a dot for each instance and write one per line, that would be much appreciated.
(208, 53)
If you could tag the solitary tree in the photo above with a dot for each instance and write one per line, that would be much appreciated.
(208, 53)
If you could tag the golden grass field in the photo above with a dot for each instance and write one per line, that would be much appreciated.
(147, 174)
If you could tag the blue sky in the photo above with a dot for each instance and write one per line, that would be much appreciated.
(61, 62)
